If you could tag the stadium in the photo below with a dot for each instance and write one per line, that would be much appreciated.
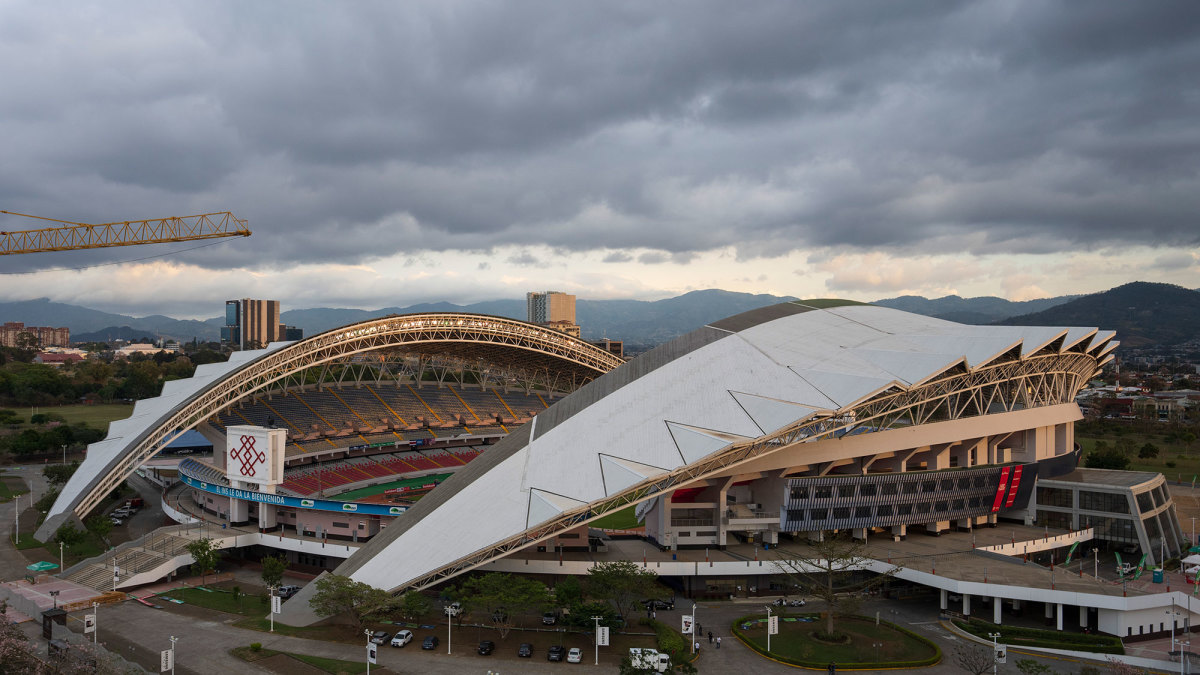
(418, 448)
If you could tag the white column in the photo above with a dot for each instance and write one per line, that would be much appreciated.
(1059, 612)
(1083, 617)
(1049, 611)
(944, 598)
(966, 604)
(997, 608)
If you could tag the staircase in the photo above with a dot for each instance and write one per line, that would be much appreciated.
(157, 549)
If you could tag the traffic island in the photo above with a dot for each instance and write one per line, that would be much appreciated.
(862, 643)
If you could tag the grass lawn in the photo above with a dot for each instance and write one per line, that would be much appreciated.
(625, 519)
(328, 665)
(795, 641)
(1175, 460)
(26, 541)
(11, 486)
(97, 416)
(378, 489)
(221, 600)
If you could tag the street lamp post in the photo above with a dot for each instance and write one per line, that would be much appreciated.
(694, 640)
(173, 640)
(768, 608)
(368, 632)
(994, 636)
(60, 558)
(449, 623)
(1096, 563)
(597, 620)
(54, 594)
(1173, 614)
(96, 625)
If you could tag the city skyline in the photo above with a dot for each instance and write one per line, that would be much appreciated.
(386, 156)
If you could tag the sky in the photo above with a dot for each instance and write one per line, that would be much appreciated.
(389, 153)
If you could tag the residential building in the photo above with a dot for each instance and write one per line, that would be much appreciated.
(251, 323)
(38, 336)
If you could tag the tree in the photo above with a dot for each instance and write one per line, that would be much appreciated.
(99, 525)
(58, 474)
(974, 658)
(503, 597)
(273, 568)
(413, 605)
(568, 592)
(68, 535)
(832, 572)
(1148, 451)
(1031, 667)
(17, 653)
(624, 584)
(337, 594)
(204, 556)
(1105, 458)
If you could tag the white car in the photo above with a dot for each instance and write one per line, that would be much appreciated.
(575, 655)
(454, 609)
(402, 638)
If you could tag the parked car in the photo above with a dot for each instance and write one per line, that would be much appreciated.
(117, 521)
(402, 638)
(525, 650)
(454, 609)
(575, 655)
(556, 653)
(549, 619)
(287, 591)
(430, 642)
(487, 647)
(380, 637)
(658, 604)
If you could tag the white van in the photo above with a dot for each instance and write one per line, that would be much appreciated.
(650, 659)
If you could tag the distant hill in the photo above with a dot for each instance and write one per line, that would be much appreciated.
(637, 322)
(979, 311)
(90, 324)
(1142, 313)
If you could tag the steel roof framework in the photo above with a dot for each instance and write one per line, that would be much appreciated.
(528, 344)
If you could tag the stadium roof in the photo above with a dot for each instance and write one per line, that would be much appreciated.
(741, 378)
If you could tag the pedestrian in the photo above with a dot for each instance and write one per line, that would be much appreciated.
(718, 642)
(832, 668)
(654, 614)
(697, 646)
(710, 637)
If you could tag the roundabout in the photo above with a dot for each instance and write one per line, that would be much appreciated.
(863, 644)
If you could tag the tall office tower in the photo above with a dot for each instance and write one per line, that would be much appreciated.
(253, 323)
(550, 307)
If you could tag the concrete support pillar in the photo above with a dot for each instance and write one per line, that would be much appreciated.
(966, 604)
(267, 516)
(900, 531)
(997, 608)
(1083, 617)
(1049, 612)
(1059, 613)
(944, 598)
(859, 533)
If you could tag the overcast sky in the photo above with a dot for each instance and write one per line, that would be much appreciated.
(389, 153)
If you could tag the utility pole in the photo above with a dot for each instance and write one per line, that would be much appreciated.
(694, 639)
(994, 636)
(768, 608)
(597, 620)
(96, 625)
(173, 639)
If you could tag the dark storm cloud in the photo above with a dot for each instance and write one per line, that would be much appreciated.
(349, 132)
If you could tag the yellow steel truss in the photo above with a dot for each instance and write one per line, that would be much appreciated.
(70, 236)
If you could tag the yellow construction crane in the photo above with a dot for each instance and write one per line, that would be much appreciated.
(70, 236)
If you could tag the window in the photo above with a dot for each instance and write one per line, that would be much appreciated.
(1144, 502)
(980, 481)
(345, 525)
(569, 535)
(928, 485)
(891, 488)
(800, 493)
(862, 512)
(1052, 496)
(819, 514)
(964, 483)
(884, 510)
(1090, 500)
(948, 484)
(824, 492)
(973, 502)
(867, 489)
(904, 509)
(958, 505)
(845, 490)
(841, 513)
(910, 488)
(924, 507)
(941, 506)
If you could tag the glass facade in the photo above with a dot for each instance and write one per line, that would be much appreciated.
(1103, 501)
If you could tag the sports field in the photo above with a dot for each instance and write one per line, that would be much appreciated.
(97, 416)
(379, 489)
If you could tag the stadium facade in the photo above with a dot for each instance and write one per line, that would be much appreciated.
(791, 421)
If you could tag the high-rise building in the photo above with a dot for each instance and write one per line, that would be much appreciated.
(17, 334)
(251, 323)
(552, 309)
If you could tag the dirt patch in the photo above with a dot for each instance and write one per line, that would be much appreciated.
(282, 663)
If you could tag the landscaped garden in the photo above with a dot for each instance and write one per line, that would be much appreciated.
(863, 642)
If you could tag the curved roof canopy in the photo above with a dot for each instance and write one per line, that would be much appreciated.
(730, 392)
(186, 403)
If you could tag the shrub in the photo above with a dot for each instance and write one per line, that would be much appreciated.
(820, 665)
(669, 640)
(256, 646)
(1034, 637)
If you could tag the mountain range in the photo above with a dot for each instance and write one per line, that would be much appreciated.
(1141, 312)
